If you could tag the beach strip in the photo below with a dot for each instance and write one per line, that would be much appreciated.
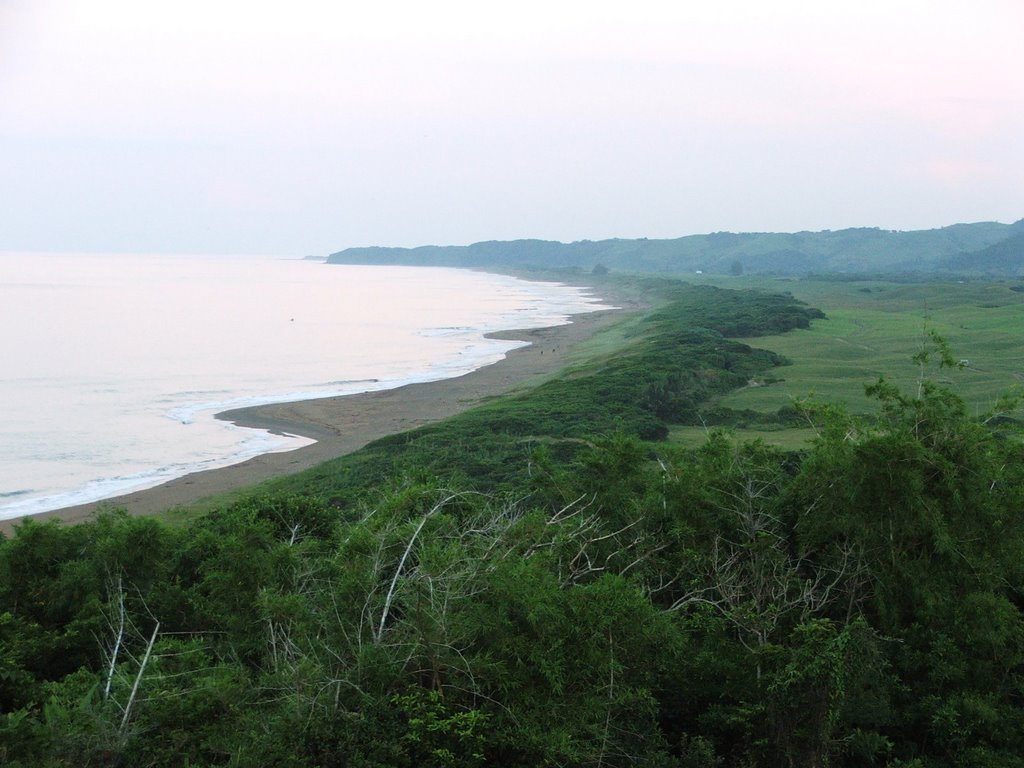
(342, 425)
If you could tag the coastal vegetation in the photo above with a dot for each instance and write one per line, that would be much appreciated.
(555, 578)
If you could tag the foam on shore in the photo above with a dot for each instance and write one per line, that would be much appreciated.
(539, 307)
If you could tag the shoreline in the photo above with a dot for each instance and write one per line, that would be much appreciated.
(344, 424)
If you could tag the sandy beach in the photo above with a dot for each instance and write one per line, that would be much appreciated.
(341, 425)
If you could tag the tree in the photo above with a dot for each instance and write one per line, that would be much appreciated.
(930, 499)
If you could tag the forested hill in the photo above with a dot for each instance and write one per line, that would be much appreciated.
(1003, 258)
(847, 250)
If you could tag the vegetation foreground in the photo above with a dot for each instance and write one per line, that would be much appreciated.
(549, 580)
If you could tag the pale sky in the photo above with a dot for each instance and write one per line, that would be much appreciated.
(304, 127)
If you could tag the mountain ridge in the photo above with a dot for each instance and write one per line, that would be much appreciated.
(855, 249)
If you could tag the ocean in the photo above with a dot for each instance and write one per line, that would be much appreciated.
(113, 366)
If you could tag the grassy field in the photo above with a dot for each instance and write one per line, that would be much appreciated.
(874, 328)
(792, 439)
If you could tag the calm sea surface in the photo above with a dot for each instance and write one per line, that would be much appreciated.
(112, 366)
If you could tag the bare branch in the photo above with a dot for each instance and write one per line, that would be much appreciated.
(401, 563)
(138, 678)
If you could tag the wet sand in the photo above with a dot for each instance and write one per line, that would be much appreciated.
(341, 425)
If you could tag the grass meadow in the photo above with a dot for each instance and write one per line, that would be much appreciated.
(874, 328)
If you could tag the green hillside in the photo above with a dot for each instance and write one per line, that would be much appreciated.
(1005, 258)
(862, 250)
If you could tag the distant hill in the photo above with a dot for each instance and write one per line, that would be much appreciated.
(847, 250)
(1005, 258)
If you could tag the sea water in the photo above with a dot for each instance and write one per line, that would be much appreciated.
(113, 366)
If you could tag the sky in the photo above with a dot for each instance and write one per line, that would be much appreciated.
(301, 128)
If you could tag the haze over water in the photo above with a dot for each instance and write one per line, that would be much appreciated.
(114, 365)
